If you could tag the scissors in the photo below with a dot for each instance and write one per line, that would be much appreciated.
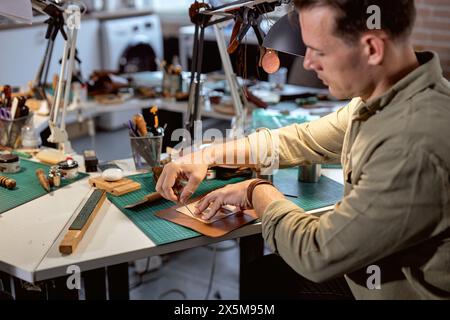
(5, 114)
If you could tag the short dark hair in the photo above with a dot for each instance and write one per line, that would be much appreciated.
(397, 16)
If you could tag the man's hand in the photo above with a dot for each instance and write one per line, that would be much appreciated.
(174, 171)
(232, 194)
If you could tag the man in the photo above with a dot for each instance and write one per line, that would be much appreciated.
(392, 140)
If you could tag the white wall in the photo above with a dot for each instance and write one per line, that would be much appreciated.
(22, 50)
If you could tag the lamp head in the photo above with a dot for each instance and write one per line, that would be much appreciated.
(284, 36)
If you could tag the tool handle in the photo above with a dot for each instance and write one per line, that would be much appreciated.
(141, 125)
(153, 197)
(7, 183)
(43, 179)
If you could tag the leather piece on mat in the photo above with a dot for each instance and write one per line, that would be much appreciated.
(216, 229)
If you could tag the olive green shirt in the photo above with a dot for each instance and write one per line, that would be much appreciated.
(395, 213)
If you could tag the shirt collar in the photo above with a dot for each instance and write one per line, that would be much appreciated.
(428, 73)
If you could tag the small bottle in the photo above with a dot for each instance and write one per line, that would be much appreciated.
(30, 138)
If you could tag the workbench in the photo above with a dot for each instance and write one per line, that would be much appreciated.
(30, 235)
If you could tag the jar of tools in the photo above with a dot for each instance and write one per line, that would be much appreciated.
(11, 130)
(146, 151)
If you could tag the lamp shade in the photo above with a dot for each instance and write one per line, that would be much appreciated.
(285, 35)
(17, 10)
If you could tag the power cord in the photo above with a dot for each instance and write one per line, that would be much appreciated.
(180, 292)
(211, 278)
(213, 269)
(214, 248)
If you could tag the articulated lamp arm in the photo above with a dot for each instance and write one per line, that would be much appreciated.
(58, 133)
(203, 16)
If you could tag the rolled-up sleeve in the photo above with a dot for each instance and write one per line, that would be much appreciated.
(319, 141)
(398, 202)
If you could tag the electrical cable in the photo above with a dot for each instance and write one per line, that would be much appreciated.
(211, 277)
(180, 292)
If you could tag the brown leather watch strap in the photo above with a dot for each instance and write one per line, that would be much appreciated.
(252, 187)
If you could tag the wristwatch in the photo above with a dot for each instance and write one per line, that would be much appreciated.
(252, 187)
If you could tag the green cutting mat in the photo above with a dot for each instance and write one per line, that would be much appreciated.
(159, 230)
(309, 196)
(270, 119)
(28, 187)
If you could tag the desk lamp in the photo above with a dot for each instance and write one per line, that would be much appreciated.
(247, 14)
(283, 36)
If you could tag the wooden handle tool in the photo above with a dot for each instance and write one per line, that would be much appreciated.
(7, 183)
(141, 125)
(43, 179)
(151, 197)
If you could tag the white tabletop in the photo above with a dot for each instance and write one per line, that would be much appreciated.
(30, 235)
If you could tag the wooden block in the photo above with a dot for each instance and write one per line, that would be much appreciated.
(126, 188)
(51, 156)
(116, 188)
(73, 237)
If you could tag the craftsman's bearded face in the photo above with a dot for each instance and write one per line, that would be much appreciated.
(338, 64)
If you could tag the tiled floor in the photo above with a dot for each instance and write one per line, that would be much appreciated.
(182, 275)
(187, 275)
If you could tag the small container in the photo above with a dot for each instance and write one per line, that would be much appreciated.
(11, 131)
(54, 176)
(30, 138)
(146, 151)
(9, 163)
(69, 168)
(211, 174)
(309, 173)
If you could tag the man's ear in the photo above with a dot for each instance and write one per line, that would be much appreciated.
(374, 45)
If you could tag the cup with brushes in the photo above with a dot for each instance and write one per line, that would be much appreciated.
(146, 139)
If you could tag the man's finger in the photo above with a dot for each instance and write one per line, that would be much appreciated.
(190, 188)
(185, 195)
(167, 186)
(160, 181)
(214, 208)
(203, 204)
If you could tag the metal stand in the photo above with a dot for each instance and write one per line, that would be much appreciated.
(196, 73)
(246, 14)
(240, 102)
(57, 121)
